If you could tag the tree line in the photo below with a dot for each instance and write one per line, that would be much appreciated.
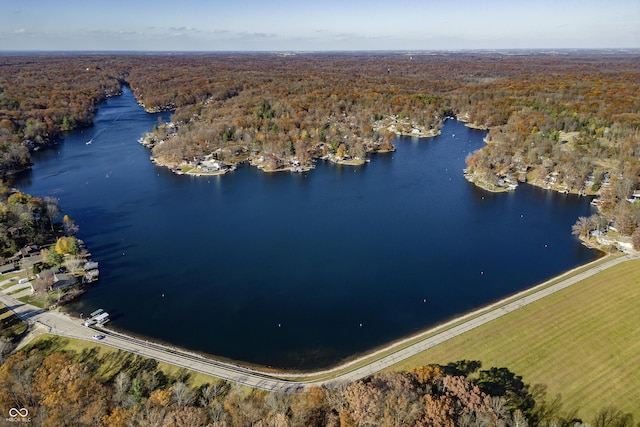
(234, 106)
(62, 388)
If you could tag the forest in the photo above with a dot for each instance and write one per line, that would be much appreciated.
(117, 389)
(568, 120)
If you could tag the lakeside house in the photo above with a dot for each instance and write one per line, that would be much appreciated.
(27, 251)
(62, 280)
(213, 166)
(91, 272)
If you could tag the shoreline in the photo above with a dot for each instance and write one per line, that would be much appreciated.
(292, 165)
(390, 347)
(366, 364)
(221, 172)
(401, 343)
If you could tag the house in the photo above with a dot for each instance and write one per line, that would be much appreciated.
(212, 166)
(61, 281)
(91, 276)
(6, 268)
(29, 250)
(90, 265)
(33, 259)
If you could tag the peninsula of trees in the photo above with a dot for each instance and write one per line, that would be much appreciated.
(569, 121)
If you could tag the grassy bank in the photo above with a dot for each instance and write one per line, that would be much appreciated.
(11, 325)
(110, 361)
(582, 343)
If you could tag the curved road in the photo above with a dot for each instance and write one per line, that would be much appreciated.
(61, 324)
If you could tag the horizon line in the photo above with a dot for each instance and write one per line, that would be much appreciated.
(548, 50)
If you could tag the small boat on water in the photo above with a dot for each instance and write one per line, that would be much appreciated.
(89, 142)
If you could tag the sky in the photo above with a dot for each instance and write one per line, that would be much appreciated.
(326, 25)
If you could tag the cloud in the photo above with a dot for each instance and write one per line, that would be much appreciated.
(247, 35)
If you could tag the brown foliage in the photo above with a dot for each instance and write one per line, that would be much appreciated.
(427, 374)
(68, 394)
(58, 390)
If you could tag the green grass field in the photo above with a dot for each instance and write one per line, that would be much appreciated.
(582, 343)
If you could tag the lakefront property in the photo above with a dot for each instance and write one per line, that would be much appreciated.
(370, 232)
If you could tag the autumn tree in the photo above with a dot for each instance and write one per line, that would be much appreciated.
(582, 227)
(69, 226)
(67, 245)
(17, 387)
(67, 393)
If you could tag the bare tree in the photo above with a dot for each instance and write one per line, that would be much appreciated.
(121, 385)
(73, 263)
(52, 209)
(27, 264)
(182, 395)
(612, 416)
(213, 392)
(69, 226)
(582, 227)
(635, 239)
(44, 282)
(277, 403)
(518, 420)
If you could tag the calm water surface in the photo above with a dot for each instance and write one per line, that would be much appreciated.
(298, 270)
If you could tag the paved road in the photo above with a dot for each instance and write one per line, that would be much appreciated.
(61, 324)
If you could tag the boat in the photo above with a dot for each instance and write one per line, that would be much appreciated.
(102, 318)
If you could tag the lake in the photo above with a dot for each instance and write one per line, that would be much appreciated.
(297, 270)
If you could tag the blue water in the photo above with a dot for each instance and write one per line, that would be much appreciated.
(298, 270)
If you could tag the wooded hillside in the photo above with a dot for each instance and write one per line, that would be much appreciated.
(569, 121)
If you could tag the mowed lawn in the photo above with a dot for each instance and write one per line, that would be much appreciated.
(582, 343)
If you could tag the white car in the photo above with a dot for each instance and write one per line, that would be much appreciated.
(98, 337)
